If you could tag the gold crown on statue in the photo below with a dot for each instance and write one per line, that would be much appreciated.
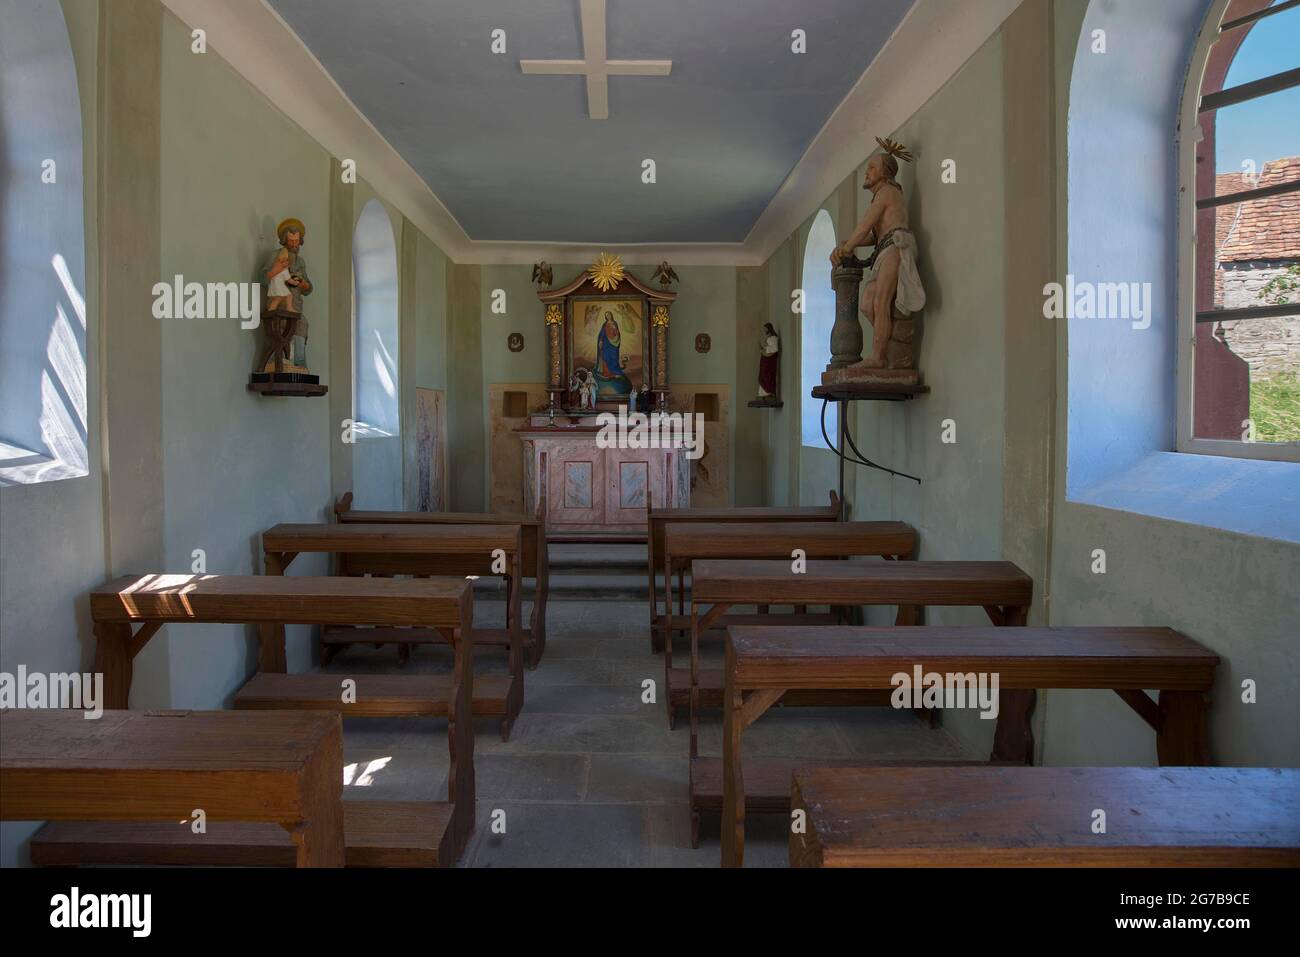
(897, 150)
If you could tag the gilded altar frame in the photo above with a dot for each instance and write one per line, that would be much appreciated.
(607, 282)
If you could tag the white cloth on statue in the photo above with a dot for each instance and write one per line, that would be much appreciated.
(911, 294)
(278, 284)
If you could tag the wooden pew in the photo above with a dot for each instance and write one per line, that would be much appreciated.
(535, 563)
(685, 545)
(397, 550)
(658, 518)
(1043, 817)
(765, 663)
(285, 770)
(1000, 588)
(441, 830)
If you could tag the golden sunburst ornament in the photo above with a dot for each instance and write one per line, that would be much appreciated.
(606, 272)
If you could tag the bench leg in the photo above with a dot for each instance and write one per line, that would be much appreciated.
(319, 835)
(695, 680)
(270, 648)
(668, 687)
(113, 661)
(460, 744)
(655, 641)
(1182, 739)
(699, 623)
(537, 625)
(733, 779)
(666, 641)
(908, 615)
(515, 696)
(1013, 740)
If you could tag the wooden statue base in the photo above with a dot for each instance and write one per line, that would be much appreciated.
(288, 388)
(293, 380)
(290, 374)
(856, 374)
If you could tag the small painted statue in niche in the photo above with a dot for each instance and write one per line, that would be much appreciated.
(286, 284)
(893, 290)
(769, 361)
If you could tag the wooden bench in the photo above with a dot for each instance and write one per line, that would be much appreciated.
(1000, 588)
(418, 550)
(764, 663)
(685, 545)
(270, 602)
(284, 770)
(535, 563)
(658, 518)
(1044, 817)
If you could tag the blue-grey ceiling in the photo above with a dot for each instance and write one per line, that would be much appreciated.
(514, 156)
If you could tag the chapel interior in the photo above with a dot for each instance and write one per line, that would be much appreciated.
(594, 433)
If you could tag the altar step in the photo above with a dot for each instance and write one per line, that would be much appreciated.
(587, 571)
(578, 586)
(597, 558)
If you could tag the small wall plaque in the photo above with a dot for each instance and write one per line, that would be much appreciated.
(703, 343)
(515, 342)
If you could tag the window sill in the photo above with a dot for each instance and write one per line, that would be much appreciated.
(20, 466)
(1246, 496)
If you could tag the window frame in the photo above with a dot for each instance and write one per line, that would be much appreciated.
(364, 429)
(829, 425)
(1189, 135)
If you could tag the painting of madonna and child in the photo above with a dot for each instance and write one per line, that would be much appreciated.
(607, 338)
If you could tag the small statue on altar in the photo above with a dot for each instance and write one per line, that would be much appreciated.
(893, 289)
(582, 388)
(769, 361)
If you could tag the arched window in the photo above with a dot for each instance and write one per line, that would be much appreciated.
(815, 334)
(43, 432)
(1239, 362)
(377, 455)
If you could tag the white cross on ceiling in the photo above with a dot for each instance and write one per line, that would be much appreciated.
(594, 65)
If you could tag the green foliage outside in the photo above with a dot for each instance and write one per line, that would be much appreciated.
(1275, 408)
(1275, 400)
(1282, 288)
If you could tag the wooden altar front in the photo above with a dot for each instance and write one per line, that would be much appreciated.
(594, 490)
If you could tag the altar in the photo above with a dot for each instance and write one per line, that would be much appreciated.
(594, 490)
(607, 351)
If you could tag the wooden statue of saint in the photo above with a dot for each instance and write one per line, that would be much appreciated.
(286, 285)
(769, 361)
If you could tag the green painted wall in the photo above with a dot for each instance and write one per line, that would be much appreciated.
(234, 462)
(781, 432)
(466, 415)
(751, 462)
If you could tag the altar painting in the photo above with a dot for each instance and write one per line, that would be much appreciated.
(607, 338)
